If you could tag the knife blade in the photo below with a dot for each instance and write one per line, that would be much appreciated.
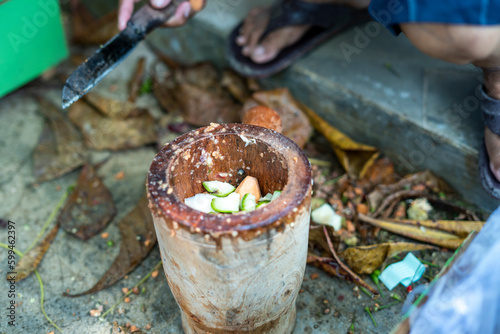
(104, 60)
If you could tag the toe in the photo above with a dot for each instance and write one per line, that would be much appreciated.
(495, 169)
(241, 40)
(276, 41)
(261, 54)
(252, 28)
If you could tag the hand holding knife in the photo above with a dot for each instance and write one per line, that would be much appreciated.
(88, 74)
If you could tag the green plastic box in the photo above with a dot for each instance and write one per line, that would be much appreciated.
(31, 40)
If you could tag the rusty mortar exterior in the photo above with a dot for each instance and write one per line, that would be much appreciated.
(246, 287)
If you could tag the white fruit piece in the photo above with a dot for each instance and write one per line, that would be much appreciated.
(325, 215)
(200, 202)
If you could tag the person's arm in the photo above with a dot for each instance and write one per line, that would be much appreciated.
(182, 14)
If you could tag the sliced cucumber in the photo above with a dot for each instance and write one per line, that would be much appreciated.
(218, 188)
(261, 204)
(200, 202)
(276, 194)
(325, 215)
(248, 202)
(228, 204)
(266, 198)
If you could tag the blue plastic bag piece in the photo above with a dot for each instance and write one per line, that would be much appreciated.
(466, 299)
(405, 272)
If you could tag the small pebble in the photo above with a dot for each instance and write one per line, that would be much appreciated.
(133, 328)
(104, 235)
(314, 275)
(125, 290)
(95, 313)
(326, 311)
(120, 175)
(154, 274)
(301, 290)
(127, 325)
(147, 327)
(127, 300)
(135, 290)
(121, 310)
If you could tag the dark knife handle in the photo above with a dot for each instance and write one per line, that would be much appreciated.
(148, 18)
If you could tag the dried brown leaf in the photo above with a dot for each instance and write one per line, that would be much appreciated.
(236, 85)
(163, 90)
(30, 261)
(458, 227)
(381, 172)
(365, 259)
(338, 268)
(356, 158)
(263, 116)
(135, 229)
(89, 208)
(427, 234)
(102, 133)
(60, 148)
(317, 243)
(334, 268)
(203, 75)
(90, 30)
(393, 199)
(427, 178)
(201, 107)
(135, 83)
(195, 92)
(296, 125)
(113, 108)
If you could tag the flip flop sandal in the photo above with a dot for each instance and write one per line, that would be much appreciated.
(491, 116)
(326, 19)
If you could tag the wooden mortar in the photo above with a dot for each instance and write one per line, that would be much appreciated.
(232, 273)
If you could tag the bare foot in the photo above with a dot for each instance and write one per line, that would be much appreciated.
(256, 23)
(492, 142)
(252, 29)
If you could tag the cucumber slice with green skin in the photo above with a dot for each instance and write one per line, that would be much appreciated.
(266, 198)
(228, 204)
(261, 204)
(276, 194)
(218, 188)
(248, 202)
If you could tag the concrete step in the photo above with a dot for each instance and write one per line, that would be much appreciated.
(377, 88)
